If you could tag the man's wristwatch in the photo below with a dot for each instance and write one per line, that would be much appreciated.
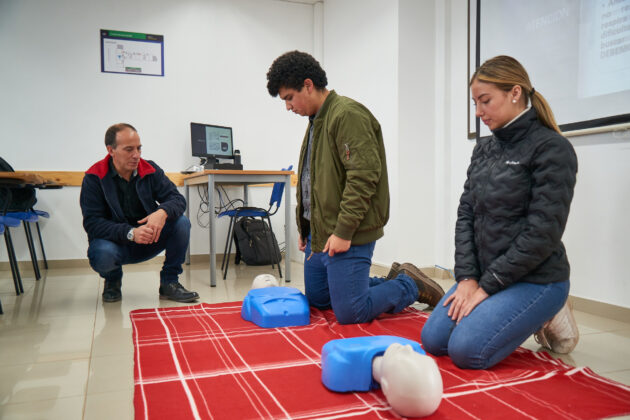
(130, 234)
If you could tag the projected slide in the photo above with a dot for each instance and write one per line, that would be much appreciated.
(132, 53)
(577, 53)
(604, 47)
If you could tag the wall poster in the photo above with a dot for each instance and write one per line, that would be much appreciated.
(132, 53)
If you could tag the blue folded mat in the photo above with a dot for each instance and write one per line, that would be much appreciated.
(273, 307)
(347, 362)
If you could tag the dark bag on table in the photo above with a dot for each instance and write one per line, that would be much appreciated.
(22, 199)
(255, 242)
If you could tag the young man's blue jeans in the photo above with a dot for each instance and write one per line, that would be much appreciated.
(495, 327)
(343, 283)
(107, 257)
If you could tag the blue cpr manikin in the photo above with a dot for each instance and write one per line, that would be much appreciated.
(273, 307)
(347, 362)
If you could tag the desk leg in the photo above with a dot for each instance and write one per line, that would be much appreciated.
(211, 232)
(287, 229)
(187, 187)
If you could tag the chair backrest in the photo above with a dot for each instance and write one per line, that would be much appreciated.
(5, 167)
(22, 199)
(277, 191)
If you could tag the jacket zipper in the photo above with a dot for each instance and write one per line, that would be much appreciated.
(483, 195)
(108, 202)
(311, 179)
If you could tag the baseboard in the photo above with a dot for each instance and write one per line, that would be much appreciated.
(433, 272)
(606, 310)
(26, 265)
(204, 258)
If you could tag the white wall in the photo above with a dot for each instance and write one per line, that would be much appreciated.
(361, 62)
(457, 149)
(406, 60)
(598, 229)
(597, 232)
(56, 104)
(418, 117)
(383, 54)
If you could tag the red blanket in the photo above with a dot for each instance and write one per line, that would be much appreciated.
(206, 362)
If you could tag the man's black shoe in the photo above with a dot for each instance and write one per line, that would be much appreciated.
(175, 291)
(111, 291)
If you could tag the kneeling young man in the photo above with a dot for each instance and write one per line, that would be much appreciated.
(342, 199)
(131, 213)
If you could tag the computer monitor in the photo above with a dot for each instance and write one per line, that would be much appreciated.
(211, 142)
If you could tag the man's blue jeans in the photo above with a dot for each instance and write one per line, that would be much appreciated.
(107, 257)
(343, 283)
(495, 327)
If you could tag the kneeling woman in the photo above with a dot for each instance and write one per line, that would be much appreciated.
(511, 267)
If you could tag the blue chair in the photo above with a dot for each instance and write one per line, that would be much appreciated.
(235, 214)
(28, 217)
(17, 199)
(41, 213)
(6, 222)
(1, 233)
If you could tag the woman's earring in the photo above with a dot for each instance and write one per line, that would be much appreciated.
(513, 101)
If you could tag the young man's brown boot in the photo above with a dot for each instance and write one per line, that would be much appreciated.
(429, 291)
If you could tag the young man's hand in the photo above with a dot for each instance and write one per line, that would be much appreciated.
(301, 243)
(336, 245)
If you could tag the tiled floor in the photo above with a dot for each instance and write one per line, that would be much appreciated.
(66, 355)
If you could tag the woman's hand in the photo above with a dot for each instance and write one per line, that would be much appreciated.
(465, 298)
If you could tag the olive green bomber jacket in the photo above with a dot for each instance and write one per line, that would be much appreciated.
(349, 186)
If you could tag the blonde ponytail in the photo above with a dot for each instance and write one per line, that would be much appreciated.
(506, 72)
(545, 114)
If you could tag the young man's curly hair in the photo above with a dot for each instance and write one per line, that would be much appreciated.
(291, 69)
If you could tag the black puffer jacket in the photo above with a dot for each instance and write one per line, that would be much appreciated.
(515, 206)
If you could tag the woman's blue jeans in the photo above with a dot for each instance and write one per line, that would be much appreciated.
(343, 283)
(107, 257)
(495, 327)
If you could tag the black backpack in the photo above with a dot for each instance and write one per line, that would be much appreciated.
(22, 199)
(255, 242)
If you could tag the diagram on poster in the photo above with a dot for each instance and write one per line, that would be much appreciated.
(132, 53)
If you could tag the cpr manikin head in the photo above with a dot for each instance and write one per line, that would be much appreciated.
(410, 381)
(264, 280)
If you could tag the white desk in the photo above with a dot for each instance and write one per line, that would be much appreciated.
(244, 178)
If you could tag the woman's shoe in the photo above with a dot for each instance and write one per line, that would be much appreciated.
(560, 334)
